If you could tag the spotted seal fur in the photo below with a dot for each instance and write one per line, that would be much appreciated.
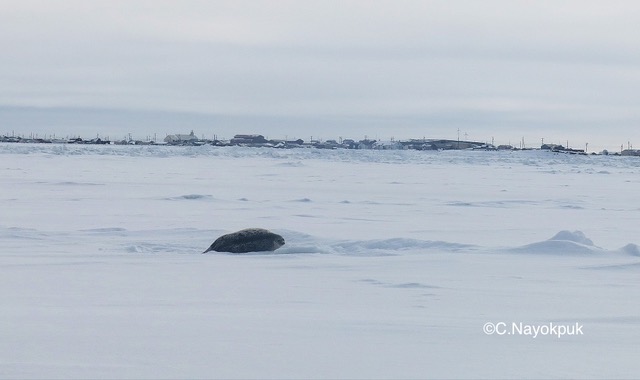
(247, 240)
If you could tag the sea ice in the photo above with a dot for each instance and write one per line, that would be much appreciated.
(394, 263)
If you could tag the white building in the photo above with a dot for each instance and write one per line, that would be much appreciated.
(179, 139)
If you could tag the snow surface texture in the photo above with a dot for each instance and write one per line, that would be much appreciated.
(393, 264)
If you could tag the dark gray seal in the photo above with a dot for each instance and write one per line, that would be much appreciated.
(247, 240)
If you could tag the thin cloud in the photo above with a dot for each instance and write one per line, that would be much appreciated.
(531, 65)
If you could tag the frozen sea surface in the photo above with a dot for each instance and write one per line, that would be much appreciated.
(394, 263)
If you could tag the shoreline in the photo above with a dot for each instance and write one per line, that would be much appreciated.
(258, 141)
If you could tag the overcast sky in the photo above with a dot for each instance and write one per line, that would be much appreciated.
(559, 70)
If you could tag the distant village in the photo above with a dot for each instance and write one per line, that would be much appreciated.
(255, 140)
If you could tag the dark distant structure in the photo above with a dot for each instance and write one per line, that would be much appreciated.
(561, 149)
(248, 140)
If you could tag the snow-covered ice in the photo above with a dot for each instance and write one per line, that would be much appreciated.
(393, 264)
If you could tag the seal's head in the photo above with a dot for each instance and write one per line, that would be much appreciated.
(278, 241)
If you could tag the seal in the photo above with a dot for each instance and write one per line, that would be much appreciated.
(247, 240)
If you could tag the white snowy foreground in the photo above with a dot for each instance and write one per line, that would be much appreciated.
(396, 265)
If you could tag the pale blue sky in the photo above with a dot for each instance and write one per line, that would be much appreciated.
(559, 70)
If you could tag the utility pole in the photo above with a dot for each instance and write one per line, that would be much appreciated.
(586, 147)
(458, 138)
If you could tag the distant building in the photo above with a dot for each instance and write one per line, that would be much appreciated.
(181, 139)
(630, 152)
(287, 143)
(329, 144)
(561, 149)
(349, 144)
(366, 144)
(387, 145)
(248, 140)
(551, 147)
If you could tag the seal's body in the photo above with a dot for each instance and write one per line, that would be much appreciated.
(247, 240)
